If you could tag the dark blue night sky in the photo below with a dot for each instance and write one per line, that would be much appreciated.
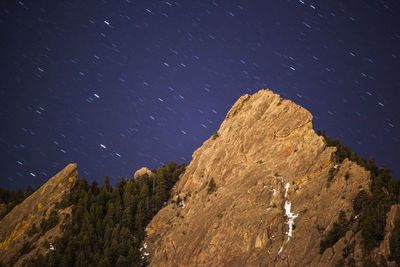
(117, 85)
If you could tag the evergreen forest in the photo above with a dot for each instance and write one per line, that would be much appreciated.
(107, 224)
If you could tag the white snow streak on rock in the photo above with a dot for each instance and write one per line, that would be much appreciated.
(286, 189)
(280, 250)
(291, 217)
(289, 214)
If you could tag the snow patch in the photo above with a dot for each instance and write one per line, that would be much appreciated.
(286, 189)
(291, 218)
(142, 250)
(183, 204)
(280, 250)
(288, 213)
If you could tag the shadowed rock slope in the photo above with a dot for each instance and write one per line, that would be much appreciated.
(31, 226)
(274, 199)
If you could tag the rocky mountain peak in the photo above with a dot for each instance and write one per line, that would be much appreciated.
(256, 192)
(261, 130)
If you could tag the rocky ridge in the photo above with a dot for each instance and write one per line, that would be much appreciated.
(274, 200)
(18, 243)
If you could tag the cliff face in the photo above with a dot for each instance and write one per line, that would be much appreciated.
(18, 241)
(272, 203)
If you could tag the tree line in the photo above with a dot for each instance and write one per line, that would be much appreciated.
(370, 207)
(107, 223)
(9, 199)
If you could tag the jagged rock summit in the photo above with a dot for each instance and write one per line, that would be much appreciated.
(16, 235)
(272, 203)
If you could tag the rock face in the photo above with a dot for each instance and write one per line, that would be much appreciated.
(391, 218)
(15, 227)
(142, 171)
(272, 203)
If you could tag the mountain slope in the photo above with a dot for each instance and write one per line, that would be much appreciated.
(31, 226)
(264, 190)
(87, 225)
(278, 193)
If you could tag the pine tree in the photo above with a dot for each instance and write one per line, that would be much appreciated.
(107, 185)
(121, 262)
(211, 186)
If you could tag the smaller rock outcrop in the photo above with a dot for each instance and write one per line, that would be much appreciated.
(27, 230)
(391, 218)
(142, 171)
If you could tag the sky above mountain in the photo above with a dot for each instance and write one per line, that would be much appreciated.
(117, 85)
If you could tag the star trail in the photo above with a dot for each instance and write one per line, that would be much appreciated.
(118, 85)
